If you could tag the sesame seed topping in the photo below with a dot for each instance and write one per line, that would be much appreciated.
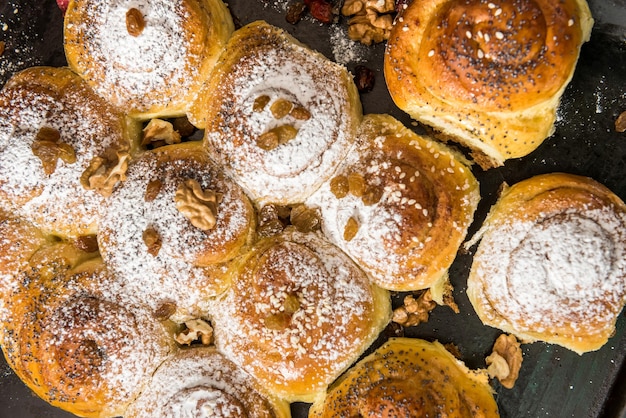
(498, 12)
(481, 54)
(499, 35)
(468, 34)
(431, 52)
(570, 22)
(491, 6)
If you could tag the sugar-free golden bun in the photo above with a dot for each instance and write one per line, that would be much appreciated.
(74, 340)
(53, 126)
(201, 382)
(486, 74)
(181, 263)
(147, 57)
(411, 198)
(409, 378)
(550, 263)
(262, 67)
(298, 313)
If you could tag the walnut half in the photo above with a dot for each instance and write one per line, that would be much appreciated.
(415, 310)
(103, 175)
(195, 329)
(197, 205)
(371, 20)
(505, 361)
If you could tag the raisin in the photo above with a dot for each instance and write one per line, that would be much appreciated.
(339, 186)
(356, 184)
(135, 22)
(352, 227)
(295, 12)
(620, 123)
(321, 10)
(86, 243)
(305, 219)
(364, 78)
(152, 190)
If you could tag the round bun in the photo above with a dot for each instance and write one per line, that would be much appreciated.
(53, 127)
(201, 382)
(278, 116)
(147, 57)
(486, 74)
(410, 199)
(549, 265)
(298, 313)
(170, 225)
(409, 377)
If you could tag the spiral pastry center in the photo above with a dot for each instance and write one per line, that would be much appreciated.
(204, 402)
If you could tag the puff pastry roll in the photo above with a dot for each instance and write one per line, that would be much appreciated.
(149, 57)
(298, 313)
(409, 378)
(399, 205)
(486, 74)
(166, 231)
(201, 382)
(53, 127)
(278, 115)
(550, 264)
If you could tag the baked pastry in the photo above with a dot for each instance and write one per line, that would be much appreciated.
(549, 265)
(52, 128)
(298, 313)
(399, 205)
(486, 74)
(277, 115)
(176, 218)
(201, 382)
(75, 341)
(148, 57)
(409, 377)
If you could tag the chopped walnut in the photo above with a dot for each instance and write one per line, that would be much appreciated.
(620, 122)
(103, 176)
(196, 329)
(414, 311)
(159, 130)
(48, 147)
(197, 205)
(505, 361)
(371, 20)
(135, 22)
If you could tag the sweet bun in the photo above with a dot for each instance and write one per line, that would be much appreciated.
(147, 57)
(277, 115)
(75, 342)
(176, 218)
(550, 263)
(409, 202)
(298, 313)
(486, 74)
(52, 128)
(409, 377)
(201, 382)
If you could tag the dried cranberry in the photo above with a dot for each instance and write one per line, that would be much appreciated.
(321, 10)
(295, 12)
(364, 78)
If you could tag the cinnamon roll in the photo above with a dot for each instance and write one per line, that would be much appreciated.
(550, 263)
(278, 115)
(76, 343)
(399, 205)
(486, 74)
(298, 313)
(409, 378)
(147, 57)
(201, 382)
(52, 128)
(167, 230)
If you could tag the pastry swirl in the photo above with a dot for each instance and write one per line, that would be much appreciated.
(52, 126)
(268, 85)
(550, 263)
(147, 57)
(148, 236)
(409, 378)
(201, 382)
(487, 74)
(417, 200)
(298, 313)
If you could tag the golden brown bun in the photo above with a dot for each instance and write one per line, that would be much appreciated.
(183, 265)
(201, 382)
(44, 109)
(157, 70)
(550, 264)
(488, 75)
(298, 313)
(412, 210)
(75, 342)
(264, 62)
(409, 378)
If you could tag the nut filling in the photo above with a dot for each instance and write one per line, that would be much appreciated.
(197, 205)
(103, 175)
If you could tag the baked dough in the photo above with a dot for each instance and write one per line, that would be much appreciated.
(550, 263)
(409, 378)
(486, 74)
(298, 313)
(155, 69)
(262, 68)
(411, 198)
